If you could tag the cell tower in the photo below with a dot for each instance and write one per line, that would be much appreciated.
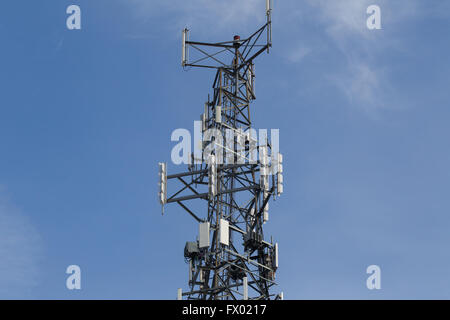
(232, 174)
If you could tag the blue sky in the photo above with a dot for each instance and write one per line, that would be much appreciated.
(86, 115)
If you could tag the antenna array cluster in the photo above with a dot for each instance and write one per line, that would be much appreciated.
(230, 259)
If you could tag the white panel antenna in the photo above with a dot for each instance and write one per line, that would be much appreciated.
(184, 51)
(212, 172)
(203, 235)
(218, 114)
(245, 289)
(224, 232)
(280, 174)
(276, 255)
(268, 6)
(162, 194)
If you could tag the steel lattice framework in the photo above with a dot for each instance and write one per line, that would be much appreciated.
(231, 259)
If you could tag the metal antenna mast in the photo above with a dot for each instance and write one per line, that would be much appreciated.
(230, 258)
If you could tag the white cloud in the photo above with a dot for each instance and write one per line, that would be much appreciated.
(343, 17)
(20, 251)
(361, 85)
(342, 24)
(204, 16)
(297, 55)
(346, 19)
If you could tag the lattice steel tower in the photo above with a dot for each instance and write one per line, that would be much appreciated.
(232, 173)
